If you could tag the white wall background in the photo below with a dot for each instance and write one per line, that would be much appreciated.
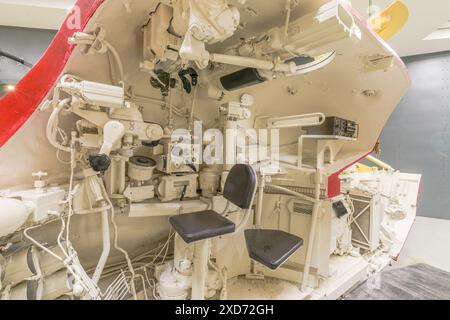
(429, 243)
(27, 44)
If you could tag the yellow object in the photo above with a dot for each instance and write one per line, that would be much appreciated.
(391, 20)
(360, 168)
(363, 168)
(379, 163)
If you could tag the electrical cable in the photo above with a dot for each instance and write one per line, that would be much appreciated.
(116, 239)
(52, 126)
(15, 59)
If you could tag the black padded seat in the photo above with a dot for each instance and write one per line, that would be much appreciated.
(240, 186)
(271, 247)
(203, 225)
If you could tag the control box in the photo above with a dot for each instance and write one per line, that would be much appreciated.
(177, 158)
(177, 187)
(334, 126)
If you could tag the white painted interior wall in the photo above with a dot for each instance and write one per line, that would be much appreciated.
(429, 238)
(427, 243)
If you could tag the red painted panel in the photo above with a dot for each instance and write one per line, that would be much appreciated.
(334, 182)
(17, 106)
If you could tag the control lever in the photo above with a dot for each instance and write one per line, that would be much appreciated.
(187, 86)
(113, 131)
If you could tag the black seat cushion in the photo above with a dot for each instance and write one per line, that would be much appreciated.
(201, 225)
(240, 186)
(271, 247)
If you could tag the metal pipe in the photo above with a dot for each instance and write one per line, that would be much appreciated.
(259, 204)
(191, 115)
(52, 124)
(201, 257)
(230, 128)
(122, 172)
(293, 193)
(312, 232)
(106, 247)
(379, 163)
(252, 63)
(244, 221)
(15, 58)
(258, 215)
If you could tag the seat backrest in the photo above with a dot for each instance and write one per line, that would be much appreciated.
(240, 186)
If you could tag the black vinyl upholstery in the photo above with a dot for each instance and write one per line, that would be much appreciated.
(239, 189)
(203, 225)
(240, 186)
(271, 247)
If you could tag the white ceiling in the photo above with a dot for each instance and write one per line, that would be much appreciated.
(425, 17)
(39, 14)
(62, 4)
